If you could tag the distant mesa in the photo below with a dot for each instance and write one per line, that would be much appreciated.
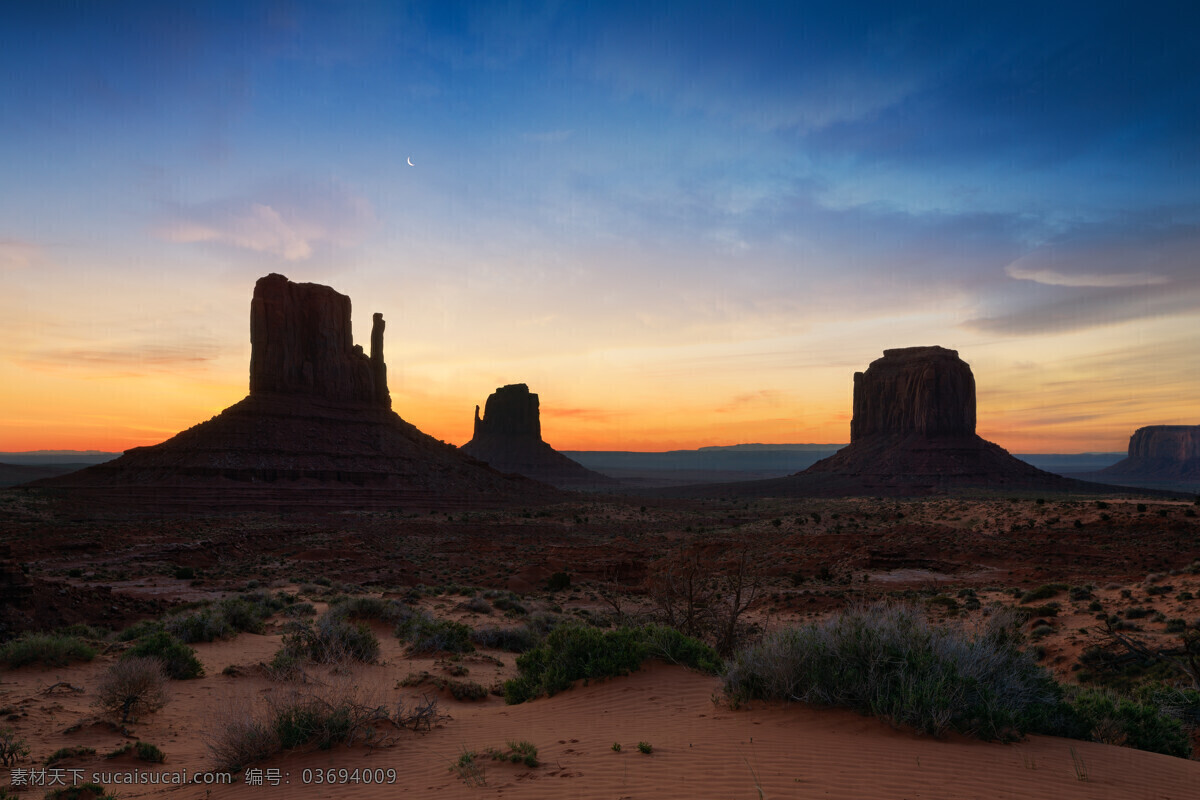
(1166, 453)
(509, 437)
(912, 433)
(316, 430)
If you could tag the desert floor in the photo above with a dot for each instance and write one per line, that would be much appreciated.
(956, 557)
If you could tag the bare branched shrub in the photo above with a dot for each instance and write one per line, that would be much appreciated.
(12, 747)
(241, 740)
(310, 716)
(704, 587)
(132, 687)
(420, 716)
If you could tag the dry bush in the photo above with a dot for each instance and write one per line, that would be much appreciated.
(310, 715)
(132, 687)
(702, 588)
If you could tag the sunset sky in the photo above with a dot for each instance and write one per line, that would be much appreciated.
(682, 224)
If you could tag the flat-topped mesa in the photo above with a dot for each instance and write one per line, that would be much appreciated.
(1167, 442)
(302, 344)
(914, 390)
(511, 410)
(1161, 453)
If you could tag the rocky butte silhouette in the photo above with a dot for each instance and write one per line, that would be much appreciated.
(509, 437)
(912, 434)
(316, 430)
(1161, 453)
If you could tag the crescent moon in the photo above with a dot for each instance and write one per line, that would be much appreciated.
(410, 163)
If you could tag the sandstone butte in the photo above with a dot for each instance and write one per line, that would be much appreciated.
(509, 437)
(316, 430)
(912, 434)
(1160, 453)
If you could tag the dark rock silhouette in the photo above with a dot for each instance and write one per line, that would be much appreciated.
(511, 410)
(912, 434)
(1160, 453)
(928, 391)
(302, 344)
(316, 430)
(509, 437)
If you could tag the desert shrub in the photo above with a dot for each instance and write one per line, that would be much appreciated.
(1078, 593)
(139, 629)
(890, 661)
(12, 747)
(571, 652)
(1043, 592)
(508, 602)
(242, 741)
(512, 640)
(1105, 716)
(148, 752)
(645, 747)
(228, 617)
(132, 687)
(80, 791)
(672, 646)
(299, 610)
(428, 635)
(64, 753)
(85, 631)
(48, 649)
(178, 660)
(199, 626)
(365, 608)
(479, 605)
(466, 690)
(332, 640)
(558, 582)
(522, 752)
(306, 721)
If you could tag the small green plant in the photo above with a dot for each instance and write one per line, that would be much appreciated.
(645, 747)
(120, 751)
(148, 752)
(81, 791)
(522, 752)
(468, 769)
(558, 582)
(63, 753)
(616, 747)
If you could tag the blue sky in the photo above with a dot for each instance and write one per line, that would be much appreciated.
(680, 223)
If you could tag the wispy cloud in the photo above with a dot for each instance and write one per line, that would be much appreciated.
(126, 359)
(762, 397)
(1050, 277)
(1099, 274)
(288, 221)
